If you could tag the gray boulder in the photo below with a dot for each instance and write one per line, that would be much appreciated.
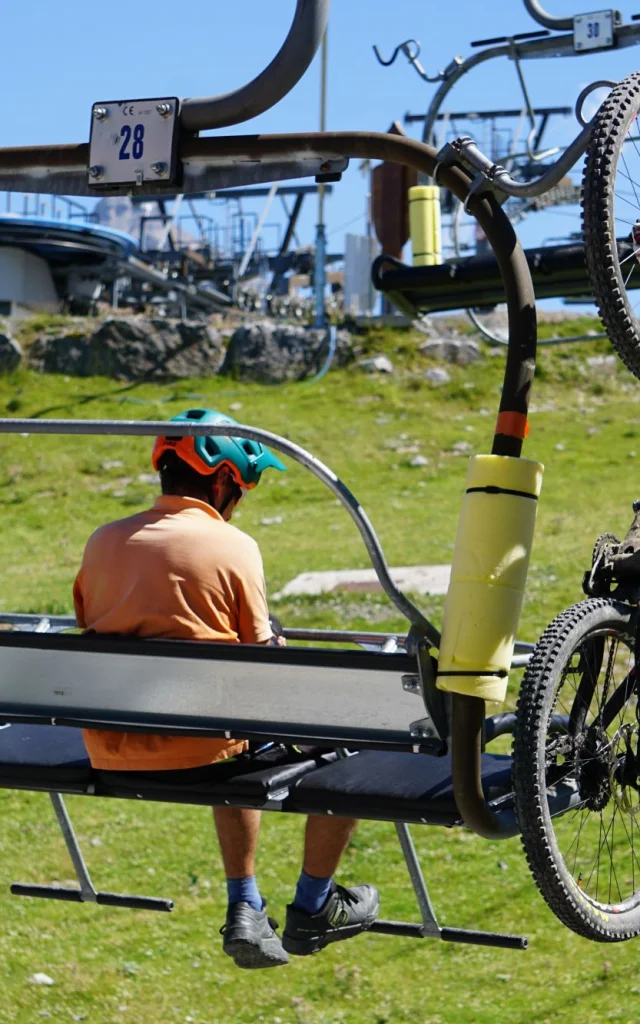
(377, 364)
(461, 351)
(438, 375)
(67, 353)
(10, 354)
(134, 348)
(273, 353)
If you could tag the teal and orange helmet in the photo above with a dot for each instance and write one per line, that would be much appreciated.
(246, 459)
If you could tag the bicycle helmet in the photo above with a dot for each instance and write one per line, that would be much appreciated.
(246, 459)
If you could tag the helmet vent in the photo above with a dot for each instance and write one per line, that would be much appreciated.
(194, 414)
(211, 447)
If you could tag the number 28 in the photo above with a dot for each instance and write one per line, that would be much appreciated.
(137, 148)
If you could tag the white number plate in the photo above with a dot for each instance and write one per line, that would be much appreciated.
(133, 142)
(593, 31)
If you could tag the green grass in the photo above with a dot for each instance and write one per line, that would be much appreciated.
(110, 965)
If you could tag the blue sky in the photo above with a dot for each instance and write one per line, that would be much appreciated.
(64, 56)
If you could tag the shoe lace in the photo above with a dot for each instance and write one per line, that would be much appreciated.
(346, 895)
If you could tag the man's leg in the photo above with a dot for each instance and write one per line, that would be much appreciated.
(325, 841)
(323, 912)
(249, 937)
(238, 831)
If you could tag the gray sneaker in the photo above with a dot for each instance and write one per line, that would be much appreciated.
(250, 939)
(347, 912)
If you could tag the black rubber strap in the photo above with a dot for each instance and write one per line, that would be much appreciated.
(491, 489)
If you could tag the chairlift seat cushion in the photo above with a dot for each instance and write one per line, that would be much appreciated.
(52, 758)
(386, 785)
(383, 785)
(30, 753)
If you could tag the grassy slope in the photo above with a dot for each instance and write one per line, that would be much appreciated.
(111, 965)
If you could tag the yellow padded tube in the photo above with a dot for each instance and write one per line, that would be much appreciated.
(424, 225)
(488, 575)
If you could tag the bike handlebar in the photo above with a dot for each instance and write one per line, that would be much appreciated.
(285, 70)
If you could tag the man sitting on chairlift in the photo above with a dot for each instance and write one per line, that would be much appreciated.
(179, 570)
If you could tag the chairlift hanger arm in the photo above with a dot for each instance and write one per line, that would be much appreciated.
(285, 70)
(538, 13)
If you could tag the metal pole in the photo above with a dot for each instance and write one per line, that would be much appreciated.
(86, 885)
(244, 263)
(370, 248)
(429, 919)
(319, 277)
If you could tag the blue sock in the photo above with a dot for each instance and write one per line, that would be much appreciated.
(244, 890)
(311, 893)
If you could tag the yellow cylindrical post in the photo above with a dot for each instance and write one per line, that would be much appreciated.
(424, 225)
(488, 575)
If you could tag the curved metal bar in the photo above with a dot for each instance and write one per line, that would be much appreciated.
(284, 71)
(456, 70)
(400, 48)
(526, 50)
(538, 14)
(326, 366)
(602, 83)
(151, 428)
(501, 178)
(496, 341)
(412, 57)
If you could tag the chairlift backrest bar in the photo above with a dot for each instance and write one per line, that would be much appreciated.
(197, 688)
(153, 428)
(284, 71)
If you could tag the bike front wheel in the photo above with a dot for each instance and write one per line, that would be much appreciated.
(577, 732)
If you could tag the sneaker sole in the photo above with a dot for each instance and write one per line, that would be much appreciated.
(306, 947)
(255, 956)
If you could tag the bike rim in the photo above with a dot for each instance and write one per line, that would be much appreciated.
(592, 745)
(626, 215)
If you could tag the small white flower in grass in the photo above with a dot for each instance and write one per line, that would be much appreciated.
(39, 978)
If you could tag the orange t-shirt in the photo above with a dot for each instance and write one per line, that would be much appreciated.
(176, 571)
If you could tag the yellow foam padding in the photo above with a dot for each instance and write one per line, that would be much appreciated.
(424, 225)
(488, 576)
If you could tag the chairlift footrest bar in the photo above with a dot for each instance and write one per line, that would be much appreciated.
(469, 937)
(484, 938)
(105, 899)
(404, 928)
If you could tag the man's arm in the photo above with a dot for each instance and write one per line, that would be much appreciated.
(78, 601)
(254, 626)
